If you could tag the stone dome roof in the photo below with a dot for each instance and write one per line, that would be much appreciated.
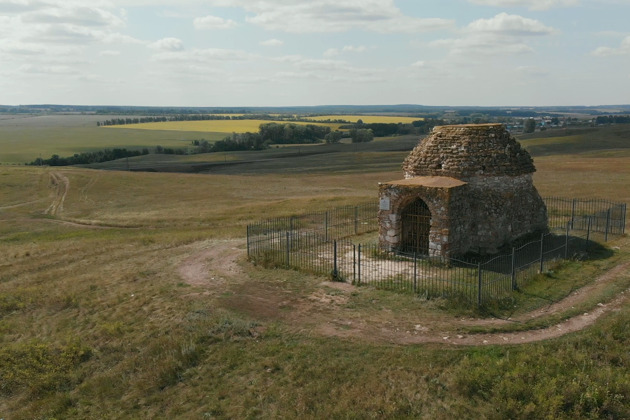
(464, 151)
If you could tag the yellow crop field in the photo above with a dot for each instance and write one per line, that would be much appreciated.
(368, 119)
(211, 126)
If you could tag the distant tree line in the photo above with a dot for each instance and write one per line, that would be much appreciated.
(292, 133)
(235, 142)
(208, 117)
(89, 157)
(613, 119)
(162, 118)
(396, 129)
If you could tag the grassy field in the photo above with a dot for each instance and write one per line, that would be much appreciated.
(127, 295)
(25, 138)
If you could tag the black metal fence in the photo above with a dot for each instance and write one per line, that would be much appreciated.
(603, 215)
(320, 243)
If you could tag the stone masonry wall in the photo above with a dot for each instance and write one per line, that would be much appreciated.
(493, 211)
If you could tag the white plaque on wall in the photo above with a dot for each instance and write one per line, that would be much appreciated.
(384, 204)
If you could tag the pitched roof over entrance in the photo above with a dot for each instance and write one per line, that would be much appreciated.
(463, 151)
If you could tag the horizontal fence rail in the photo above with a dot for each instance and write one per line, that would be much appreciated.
(320, 243)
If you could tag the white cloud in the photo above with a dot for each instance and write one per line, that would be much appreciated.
(81, 16)
(332, 71)
(288, 58)
(271, 43)
(502, 34)
(167, 44)
(208, 55)
(486, 45)
(513, 25)
(118, 38)
(623, 49)
(419, 64)
(334, 16)
(56, 22)
(213, 22)
(332, 52)
(53, 69)
(20, 48)
(63, 34)
(18, 6)
(530, 4)
(352, 48)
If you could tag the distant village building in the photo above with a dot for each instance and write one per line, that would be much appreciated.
(467, 188)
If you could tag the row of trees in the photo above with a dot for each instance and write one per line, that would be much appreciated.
(235, 142)
(162, 118)
(292, 133)
(89, 157)
(207, 117)
(613, 119)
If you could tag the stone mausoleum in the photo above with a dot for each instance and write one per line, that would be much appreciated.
(467, 188)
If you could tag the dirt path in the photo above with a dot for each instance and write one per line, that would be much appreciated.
(214, 265)
(26, 203)
(61, 185)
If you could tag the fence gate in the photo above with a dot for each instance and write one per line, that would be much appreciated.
(415, 228)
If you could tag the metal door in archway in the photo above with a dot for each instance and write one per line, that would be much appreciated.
(415, 228)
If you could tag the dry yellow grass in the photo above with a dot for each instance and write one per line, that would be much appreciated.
(582, 176)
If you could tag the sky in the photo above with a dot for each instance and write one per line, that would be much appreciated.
(315, 52)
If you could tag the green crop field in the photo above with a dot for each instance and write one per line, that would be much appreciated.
(209, 126)
(128, 295)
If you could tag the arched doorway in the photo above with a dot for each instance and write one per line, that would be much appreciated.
(415, 228)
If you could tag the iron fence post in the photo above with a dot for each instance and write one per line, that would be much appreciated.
(415, 272)
(573, 214)
(566, 242)
(588, 233)
(356, 220)
(354, 263)
(623, 225)
(542, 251)
(335, 273)
(479, 282)
(288, 251)
(326, 225)
(359, 265)
(607, 225)
(247, 241)
(514, 286)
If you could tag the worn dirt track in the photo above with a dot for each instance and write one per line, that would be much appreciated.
(61, 184)
(215, 266)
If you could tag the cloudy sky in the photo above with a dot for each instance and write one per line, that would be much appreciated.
(314, 52)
